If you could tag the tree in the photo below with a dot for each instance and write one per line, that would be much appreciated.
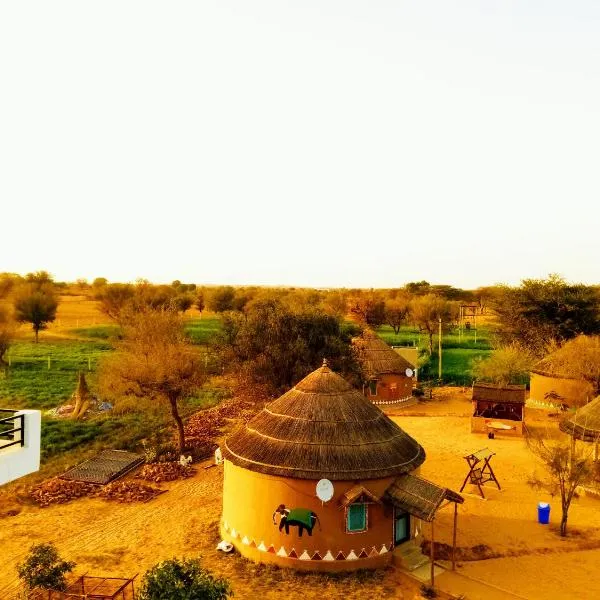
(200, 301)
(221, 299)
(113, 298)
(184, 301)
(99, 282)
(544, 310)
(568, 466)
(368, 308)
(396, 312)
(506, 365)
(426, 312)
(154, 359)
(36, 302)
(44, 568)
(182, 580)
(274, 346)
(7, 332)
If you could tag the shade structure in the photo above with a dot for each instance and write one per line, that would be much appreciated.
(584, 425)
(323, 428)
(507, 394)
(377, 358)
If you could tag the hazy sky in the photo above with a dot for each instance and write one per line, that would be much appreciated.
(307, 143)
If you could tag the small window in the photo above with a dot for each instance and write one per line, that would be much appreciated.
(373, 387)
(356, 518)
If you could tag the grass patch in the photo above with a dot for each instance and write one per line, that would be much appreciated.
(458, 352)
(201, 331)
(97, 332)
(45, 375)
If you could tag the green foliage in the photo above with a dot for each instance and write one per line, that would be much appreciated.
(182, 580)
(221, 299)
(44, 568)
(275, 346)
(506, 365)
(100, 332)
(542, 311)
(36, 302)
(204, 330)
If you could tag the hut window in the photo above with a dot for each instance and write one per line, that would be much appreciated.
(373, 387)
(356, 518)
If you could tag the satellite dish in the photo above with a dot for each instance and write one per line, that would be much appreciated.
(324, 490)
(409, 372)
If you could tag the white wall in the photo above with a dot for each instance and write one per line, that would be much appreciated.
(18, 461)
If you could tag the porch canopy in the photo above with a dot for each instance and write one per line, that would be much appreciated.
(419, 497)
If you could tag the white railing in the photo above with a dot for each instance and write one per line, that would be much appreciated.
(20, 436)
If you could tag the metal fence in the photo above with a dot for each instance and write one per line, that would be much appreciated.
(10, 435)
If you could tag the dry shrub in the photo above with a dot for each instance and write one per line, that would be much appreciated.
(166, 471)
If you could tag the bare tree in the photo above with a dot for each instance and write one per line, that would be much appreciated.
(426, 311)
(154, 360)
(567, 466)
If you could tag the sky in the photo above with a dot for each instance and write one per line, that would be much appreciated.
(309, 143)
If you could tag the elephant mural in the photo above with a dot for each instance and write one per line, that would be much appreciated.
(303, 518)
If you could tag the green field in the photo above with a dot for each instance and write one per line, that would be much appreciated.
(44, 375)
(458, 353)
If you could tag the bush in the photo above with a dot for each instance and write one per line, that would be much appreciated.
(44, 568)
(428, 592)
(182, 580)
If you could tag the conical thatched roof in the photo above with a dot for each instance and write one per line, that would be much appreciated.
(376, 357)
(323, 428)
(552, 366)
(585, 423)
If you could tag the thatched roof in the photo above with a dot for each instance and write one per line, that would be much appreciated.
(507, 394)
(585, 423)
(418, 496)
(552, 365)
(323, 428)
(376, 357)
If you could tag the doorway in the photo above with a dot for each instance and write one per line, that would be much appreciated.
(401, 527)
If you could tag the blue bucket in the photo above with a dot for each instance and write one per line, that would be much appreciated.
(543, 513)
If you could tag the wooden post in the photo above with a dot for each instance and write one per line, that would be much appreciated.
(440, 348)
(48, 362)
(454, 537)
(431, 553)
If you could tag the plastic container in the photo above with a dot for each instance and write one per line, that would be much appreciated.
(543, 513)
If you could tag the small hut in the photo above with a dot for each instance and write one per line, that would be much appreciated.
(321, 479)
(389, 378)
(498, 408)
(584, 425)
(552, 385)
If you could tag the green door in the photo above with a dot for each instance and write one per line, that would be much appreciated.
(401, 527)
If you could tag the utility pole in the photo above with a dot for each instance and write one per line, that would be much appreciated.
(440, 348)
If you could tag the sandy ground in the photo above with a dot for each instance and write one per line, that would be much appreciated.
(531, 560)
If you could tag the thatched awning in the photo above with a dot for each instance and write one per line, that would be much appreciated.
(377, 358)
(323, 428)
(508, 394)
(418, 496)
(359, 493)
(585, 423)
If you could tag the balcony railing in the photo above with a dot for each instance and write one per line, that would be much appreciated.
(10, 435)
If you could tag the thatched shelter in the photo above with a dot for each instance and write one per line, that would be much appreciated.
(584, 425)
(388, 377)
(498, 408)
(551, 384)
(308, 481)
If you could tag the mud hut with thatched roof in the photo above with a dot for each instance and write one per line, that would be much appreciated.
(550, 384)
(322, 479)
(584, 425)
(388, 377)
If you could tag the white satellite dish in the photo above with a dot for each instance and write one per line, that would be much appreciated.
(409, 372)
(324, 490)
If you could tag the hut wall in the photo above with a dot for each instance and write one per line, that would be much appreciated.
(391, 386)
(250, 499)
(573, 392)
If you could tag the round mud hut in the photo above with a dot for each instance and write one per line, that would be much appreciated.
(321, 479)
(551, 384)
(388, 377)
